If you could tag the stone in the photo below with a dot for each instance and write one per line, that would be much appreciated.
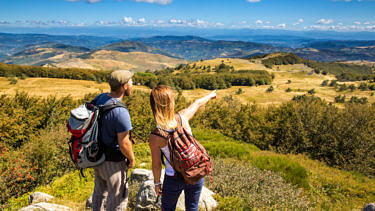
(140, 175)
(206, 201)
(146, 198)
(369, 207)
(39, 197)
(45, 206)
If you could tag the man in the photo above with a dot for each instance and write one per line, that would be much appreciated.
(110, 190)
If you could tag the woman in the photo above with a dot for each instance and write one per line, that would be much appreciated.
(162, 104)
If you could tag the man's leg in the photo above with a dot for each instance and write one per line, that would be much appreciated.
(117, 199)
(192, 194)
(100, 191)
(172, 188)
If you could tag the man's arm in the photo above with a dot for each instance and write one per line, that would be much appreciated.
(126, 147)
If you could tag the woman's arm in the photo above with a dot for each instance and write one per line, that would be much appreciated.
(189, 112)
(156, 161)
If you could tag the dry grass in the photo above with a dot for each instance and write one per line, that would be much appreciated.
(238, 64)
(301, 77)
(112, 60)
(301, 82)
(44, 87)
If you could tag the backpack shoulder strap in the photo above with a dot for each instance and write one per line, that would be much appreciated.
(114, 104)
(157, 132)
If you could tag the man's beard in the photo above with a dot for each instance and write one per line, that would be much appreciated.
(128, 92)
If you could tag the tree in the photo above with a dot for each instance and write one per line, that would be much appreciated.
(239, 91)
(270, 89)
(311, 91)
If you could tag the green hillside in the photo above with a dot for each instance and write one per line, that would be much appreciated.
(277, 147)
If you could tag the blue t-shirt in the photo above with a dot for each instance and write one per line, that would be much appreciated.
(114, 121)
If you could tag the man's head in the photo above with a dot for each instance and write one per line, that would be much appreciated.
(121, 81)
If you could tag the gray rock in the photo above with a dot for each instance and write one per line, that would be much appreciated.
(146, 197)
(45, 206)
(39, 197)
(140, 175)
(369, 207)
(206, 201)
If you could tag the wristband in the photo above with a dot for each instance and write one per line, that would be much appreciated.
(157, 183)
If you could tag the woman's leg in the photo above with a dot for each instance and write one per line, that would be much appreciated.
(192, 194)
(172, 188)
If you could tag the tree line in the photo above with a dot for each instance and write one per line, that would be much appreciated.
(181, 81)
(342, 71)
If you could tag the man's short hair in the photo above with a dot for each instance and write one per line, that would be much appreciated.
(118, 78)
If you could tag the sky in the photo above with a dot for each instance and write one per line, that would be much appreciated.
(337, 15)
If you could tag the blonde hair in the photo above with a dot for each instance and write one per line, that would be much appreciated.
(162, 105)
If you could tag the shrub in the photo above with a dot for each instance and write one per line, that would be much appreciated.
(311, 91)
(325, 83)
(253, 188)
(13, 80)
(352, 87)
(239, 91)
(363, 86)
(343, 87)
(288, 89)
(340, 99)
(270, 89)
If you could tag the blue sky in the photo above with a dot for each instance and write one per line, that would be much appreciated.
(340, 15)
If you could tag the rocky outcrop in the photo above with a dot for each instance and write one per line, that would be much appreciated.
(147, 199)
(39, 197)
(45, 206)
(369, 207)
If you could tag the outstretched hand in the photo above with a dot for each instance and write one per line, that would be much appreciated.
(212, 95)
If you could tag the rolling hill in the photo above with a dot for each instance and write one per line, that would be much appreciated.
(112, 60)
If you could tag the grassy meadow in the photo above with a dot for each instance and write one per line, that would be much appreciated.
(300, 83)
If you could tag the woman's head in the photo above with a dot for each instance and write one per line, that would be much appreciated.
(162, 105)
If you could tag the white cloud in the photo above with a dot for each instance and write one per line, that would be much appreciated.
(253, 1)
(283, 25)
(4, 22)
(299, 22)
(367, 23)
(93, 1)
(128, 20)
(357, 22)
(267, 22)
(259, 22)
(155, 1)
(141, 20)
(324, 21)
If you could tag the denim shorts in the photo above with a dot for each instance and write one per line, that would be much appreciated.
(172, 188)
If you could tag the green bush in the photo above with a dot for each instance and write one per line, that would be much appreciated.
(252, 188)
(305, 125)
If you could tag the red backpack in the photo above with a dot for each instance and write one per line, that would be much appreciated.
(187, 156)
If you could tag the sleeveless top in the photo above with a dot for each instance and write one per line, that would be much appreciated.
(169, 171)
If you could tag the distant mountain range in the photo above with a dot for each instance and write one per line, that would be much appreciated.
(41, 49)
